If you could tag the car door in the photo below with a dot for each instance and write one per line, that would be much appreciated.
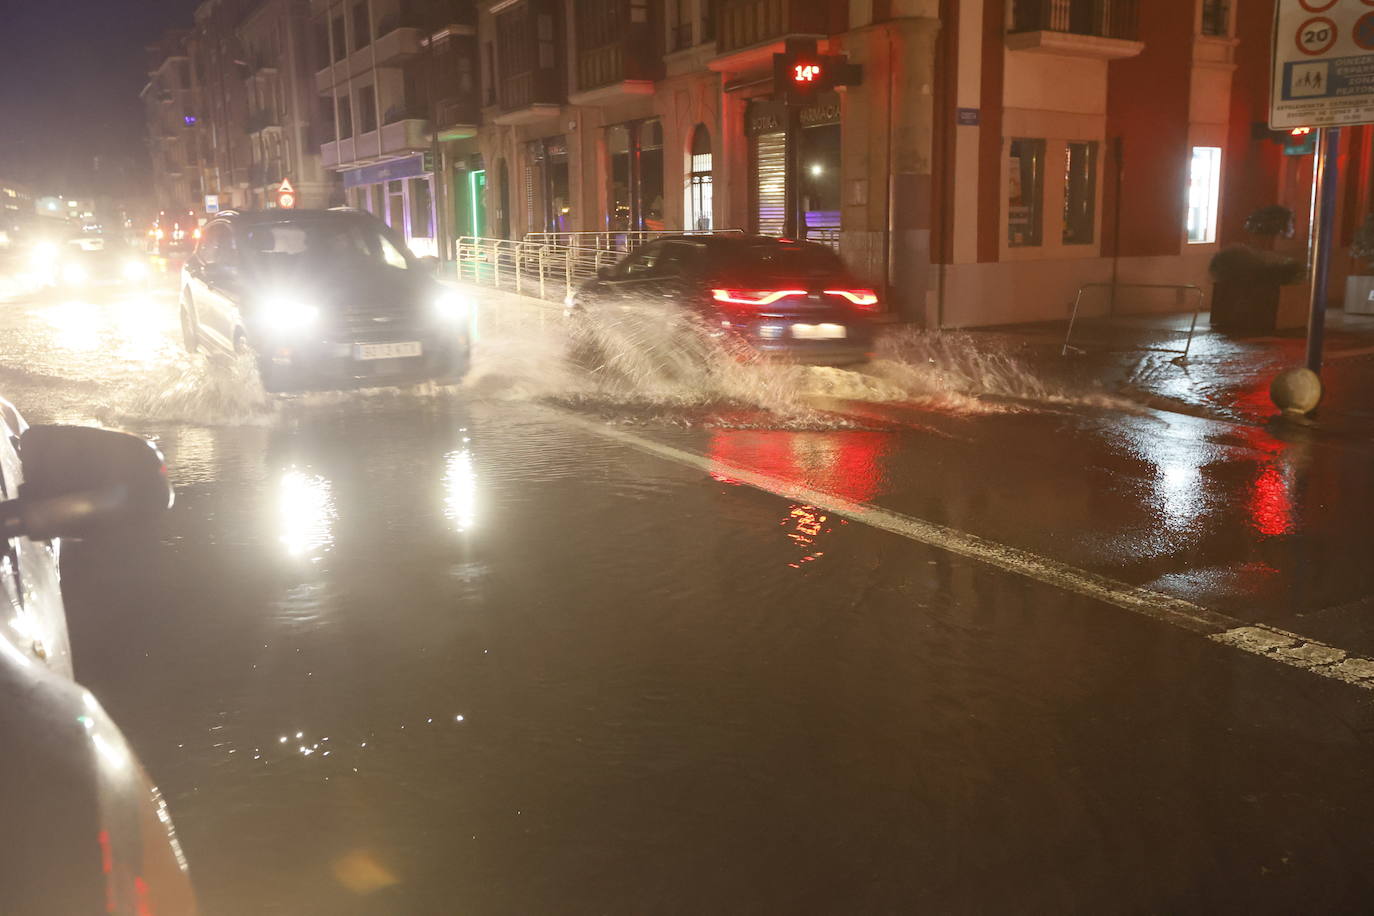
(215, 263)
(31, 604)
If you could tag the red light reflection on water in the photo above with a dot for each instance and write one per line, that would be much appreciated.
(1270, 500)
(847, 464)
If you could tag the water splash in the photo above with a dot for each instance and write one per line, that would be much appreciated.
(195, 388)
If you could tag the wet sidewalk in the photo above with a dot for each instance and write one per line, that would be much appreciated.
(1222, 376)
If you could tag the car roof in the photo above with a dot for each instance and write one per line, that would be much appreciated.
(736, 240)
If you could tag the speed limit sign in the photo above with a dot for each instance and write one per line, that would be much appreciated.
(1323, 72)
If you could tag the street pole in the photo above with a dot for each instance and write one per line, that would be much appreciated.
(1324, 182)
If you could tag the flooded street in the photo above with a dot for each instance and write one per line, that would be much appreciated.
(710, 636)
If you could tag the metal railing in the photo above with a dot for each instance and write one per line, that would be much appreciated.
(528, 268)
(1126, 331)
(1101, 18)
(617, 240)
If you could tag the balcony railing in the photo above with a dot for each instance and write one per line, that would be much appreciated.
(451, 112)
(744, 23)
(1100, 18)
(262, 119)
(682, 36)
(533, 87)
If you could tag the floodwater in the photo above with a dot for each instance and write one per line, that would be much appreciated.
(542, 642)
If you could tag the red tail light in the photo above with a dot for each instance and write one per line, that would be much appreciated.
(863, 298)
(754, 296)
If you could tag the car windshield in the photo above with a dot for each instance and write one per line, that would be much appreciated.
(326, 242)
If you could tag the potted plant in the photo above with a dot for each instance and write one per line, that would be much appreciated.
(1270, 223)
(1359, 287)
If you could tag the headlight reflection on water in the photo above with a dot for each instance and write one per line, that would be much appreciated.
(305, 512)
(460, 490)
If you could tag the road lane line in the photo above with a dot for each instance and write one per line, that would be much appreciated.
(1267, 642)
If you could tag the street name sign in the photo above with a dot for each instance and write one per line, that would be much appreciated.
(1323, 72)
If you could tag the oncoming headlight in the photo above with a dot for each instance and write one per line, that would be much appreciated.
(135, 270)
(289, 314)
(74, 274)
(453, 306)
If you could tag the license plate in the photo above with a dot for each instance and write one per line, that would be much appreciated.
(819, 331)
(387, 350)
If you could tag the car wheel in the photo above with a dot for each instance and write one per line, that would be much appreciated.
(190, 334)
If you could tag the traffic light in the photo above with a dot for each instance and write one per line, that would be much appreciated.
(800, 72)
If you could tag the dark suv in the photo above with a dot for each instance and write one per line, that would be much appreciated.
(778, 297)
(323, 298)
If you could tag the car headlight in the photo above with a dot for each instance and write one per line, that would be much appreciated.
(453, 306)
(74, 274)
(135, 270)
(289, 314)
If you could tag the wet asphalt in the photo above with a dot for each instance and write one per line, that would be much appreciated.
(463, 650)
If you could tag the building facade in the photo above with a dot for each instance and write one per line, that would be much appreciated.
(990, 158)
(171, 106)
(391, 85)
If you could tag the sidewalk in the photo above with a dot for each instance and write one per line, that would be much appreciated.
(1223, 376)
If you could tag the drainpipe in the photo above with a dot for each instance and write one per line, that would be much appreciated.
(890, 249)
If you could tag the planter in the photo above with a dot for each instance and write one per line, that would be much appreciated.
(1359, 294)
(1245, 307)
(1295, 302)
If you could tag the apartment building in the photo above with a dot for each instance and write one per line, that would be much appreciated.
(171, 106)
(396, 77)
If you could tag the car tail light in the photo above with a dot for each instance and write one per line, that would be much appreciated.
(754, 296)
(863, 298)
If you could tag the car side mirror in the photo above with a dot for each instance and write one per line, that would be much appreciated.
(81, 481)
(429, 264)
(605, 273)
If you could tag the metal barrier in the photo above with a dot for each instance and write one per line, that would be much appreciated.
(618, 240)
(1130, 328)
(533, 269)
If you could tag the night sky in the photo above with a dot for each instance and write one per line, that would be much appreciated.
(70, 72)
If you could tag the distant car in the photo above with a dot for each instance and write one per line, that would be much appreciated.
(781, 298)
(84, 829)
(95, 262)
(324, 299)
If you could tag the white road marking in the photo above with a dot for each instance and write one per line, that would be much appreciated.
(1258, 639)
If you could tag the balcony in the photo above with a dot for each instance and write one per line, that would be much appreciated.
(614, 72)
(457, 119)
(326, 78)
(1102, 29)
(260, 120)
(750, 32)
(408, 133)
(525, 98)
(394, 44)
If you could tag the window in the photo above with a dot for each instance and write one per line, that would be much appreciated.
(326, 125)
(1080, 193)
(820, 181)
(641, 264)
(636, 175)
(682, 25)
(362, 29)
(1216, 18)
(699, 184)
(367, 109)
(336, 25)
(421, 209)
(345, 118)
(396, 202)
(392, 255)
(1025, 192)
(1204, 188)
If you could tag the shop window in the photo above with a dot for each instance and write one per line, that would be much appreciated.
(367, 109)
(396, 205)
(699, 181)
(1204, 191)
(1025, 193)
(820, 181)
(1080, 193)
(635, 151)
(651, 174)
(421, 209)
